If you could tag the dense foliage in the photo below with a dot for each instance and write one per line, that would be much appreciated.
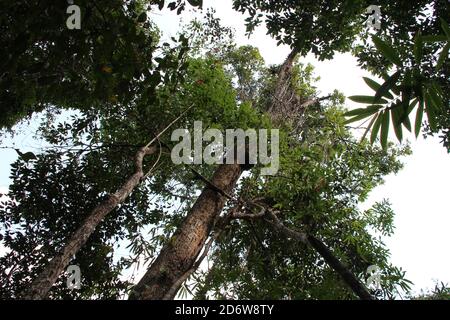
(123, 86)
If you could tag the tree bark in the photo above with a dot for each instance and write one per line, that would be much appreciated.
(179, 255)
(42, 284)
(349, 278)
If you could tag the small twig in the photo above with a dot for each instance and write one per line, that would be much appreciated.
(170, 125)
(156, 162)
(368, 128)
(240, 215)
(211, 185)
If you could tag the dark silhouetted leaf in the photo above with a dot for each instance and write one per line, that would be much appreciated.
(389, 84)
(384, 129)
(443, 56)
(375, 86)
(418, 48)
(369, 110)
(419, 117)
(142, 17)
(367, 99)
(372, 83)
(196, 3)
(26, 156)
(376, 128)
(405, 117)
(369, 126)
(430, 110)
(387, 51)
(436, 99)
(395, 113)
(363, 113)
(446, 28)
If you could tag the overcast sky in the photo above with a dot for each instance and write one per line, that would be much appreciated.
(419, 193)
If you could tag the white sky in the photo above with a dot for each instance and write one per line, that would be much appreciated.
(419, 193)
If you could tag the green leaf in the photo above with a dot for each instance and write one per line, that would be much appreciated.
(376, 128)
(387, 50)
(437, 87)
(360, 117)
(418, 48)
(142, 17)
(372, 83)
(384, 129)
(395, 113)
(407, 95)
(367, 99)
(369, 126)
(430, 110)
(446, 28)
(369, 110)
(354, 112)
(375, 86)
(435, 98)
(408, 79)
(407, 124)
(434, 38)
(405, 117)
(443, 56)
(412, 106)
(419, 117)
(389, 84)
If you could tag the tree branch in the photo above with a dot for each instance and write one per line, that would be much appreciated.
(349, 278)
(42, 284)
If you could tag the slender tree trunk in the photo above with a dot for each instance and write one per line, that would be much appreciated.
(179, 255)
(347, 276)
(42, 284)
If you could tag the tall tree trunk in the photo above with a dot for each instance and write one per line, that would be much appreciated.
(279, 105)
(178, 256)
(42, 284)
